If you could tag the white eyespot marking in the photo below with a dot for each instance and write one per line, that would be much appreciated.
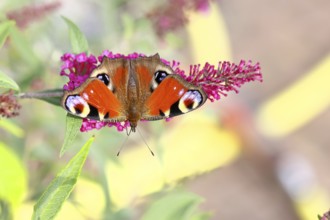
(76, 105)
(110, 86)
(181, 92)
(167, 113)
(85, 95)
(190, 101)
(101, 116)
(154, 84)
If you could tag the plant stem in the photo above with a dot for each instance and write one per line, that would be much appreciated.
(38, 95)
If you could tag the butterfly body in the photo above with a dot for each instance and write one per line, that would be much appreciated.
(123, 89)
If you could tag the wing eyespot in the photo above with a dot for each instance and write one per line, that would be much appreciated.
(76, 105)
(104, 78)
(159, 76)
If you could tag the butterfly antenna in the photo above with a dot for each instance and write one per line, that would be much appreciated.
(122, 145)
(128, 132)
(152, 153)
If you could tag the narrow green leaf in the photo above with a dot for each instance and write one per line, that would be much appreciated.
(60, 188)
(5, 27)
(176, 205)
(7, 83)
(55, 100)
(73, 125)
(52, 96)
(78, 40)
(13, 178)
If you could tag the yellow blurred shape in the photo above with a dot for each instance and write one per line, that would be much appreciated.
(208, 36)
(193, 146)
(13, 177)
(315, 204)
(295, 106)
(24, 211)
(89, 198)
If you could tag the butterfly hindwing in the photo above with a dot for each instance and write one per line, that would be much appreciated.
(163, 93)
(173, 96)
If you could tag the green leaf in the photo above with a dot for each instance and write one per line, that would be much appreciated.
(78, 40)
(60, 188)
(7, 83)
(73, 125)
(5, 30)
(55, 100)
(176, 205)
(13, 178)
(52, 96)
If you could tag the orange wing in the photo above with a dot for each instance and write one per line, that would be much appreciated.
(93, 100)
(173, 96)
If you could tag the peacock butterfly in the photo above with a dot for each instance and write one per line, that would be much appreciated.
(121, 89)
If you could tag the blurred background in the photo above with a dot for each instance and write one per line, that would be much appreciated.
(259, 154)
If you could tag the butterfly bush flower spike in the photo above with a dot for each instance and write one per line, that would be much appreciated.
(77, 67)
(216, 81)
(226, 77)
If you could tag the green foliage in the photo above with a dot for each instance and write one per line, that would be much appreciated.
(7, 83)
(78, 40)
(5, 28)
(177, 205)
(79, 44)
(73, 124)
(60, 188)
(52, 96)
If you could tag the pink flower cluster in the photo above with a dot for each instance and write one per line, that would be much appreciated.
(77, 68)
(225, 78)
(26, 15)
(171, 15)
(215, 81)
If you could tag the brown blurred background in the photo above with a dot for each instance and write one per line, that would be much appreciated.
(288, 38)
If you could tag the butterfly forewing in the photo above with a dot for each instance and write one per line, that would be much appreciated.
(93, 100)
